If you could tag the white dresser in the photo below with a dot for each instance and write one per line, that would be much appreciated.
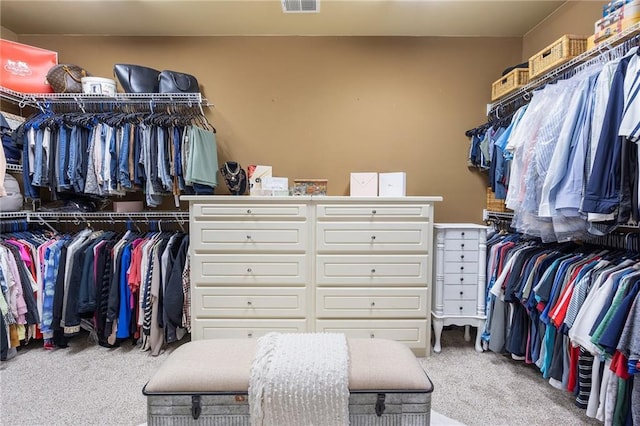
(459, 279)
(359, 266)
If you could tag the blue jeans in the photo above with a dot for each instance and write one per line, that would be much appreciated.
(123, 155)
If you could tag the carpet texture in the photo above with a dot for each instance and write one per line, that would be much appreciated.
(87, 384)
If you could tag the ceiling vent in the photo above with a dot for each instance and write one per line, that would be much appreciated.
(301, 6)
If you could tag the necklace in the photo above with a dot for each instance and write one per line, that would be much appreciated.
(234, 177)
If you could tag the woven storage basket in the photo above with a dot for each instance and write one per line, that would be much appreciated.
(509, 82)
(495, 205)
(562, 50)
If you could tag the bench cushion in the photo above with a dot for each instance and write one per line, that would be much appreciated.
(224, 365)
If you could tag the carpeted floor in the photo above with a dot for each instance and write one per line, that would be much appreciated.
(91, 385)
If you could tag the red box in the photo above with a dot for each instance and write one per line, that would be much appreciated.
(24, 68)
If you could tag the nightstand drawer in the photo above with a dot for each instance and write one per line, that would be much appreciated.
(244, 328)
(248, 211)
(371, 303)
(462, 234)
(461, 245)
(373, 270)
(460, 292)
(375, 211)
(460, 268)
(460, 307)
(457, 278)
(372, 237)
(249, 302)
(278, 269)
(461, 256)
(230, 236)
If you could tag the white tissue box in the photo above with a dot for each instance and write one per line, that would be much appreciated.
(364, 185)
(393, 184)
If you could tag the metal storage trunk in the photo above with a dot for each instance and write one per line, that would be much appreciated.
(205, 382)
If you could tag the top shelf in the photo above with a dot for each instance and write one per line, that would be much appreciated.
(37, 100)
(551, 75)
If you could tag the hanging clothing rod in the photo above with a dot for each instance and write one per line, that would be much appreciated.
(179, 217)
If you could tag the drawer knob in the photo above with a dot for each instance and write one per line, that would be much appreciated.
(248, 211)
(249, 302)
(460, 307)
(249, 270)
(462, 268)
(462, 234)
(249, 334)
(373, 212)
(461, 293)
(461, 279)
(373, 336)
(373, 304)
(248, 237)
(462, 256)
(373, 237)
(373, 271)
(462, 245)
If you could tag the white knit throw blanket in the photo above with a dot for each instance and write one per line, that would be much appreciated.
(300, 380)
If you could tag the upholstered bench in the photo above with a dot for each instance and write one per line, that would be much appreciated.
(206, 382)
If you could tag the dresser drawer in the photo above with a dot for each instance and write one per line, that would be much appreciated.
(371, 303)
(458, 278)
(461, 268)
(374, 211)
(461, 245)
(461, 256)
(410, 332)
(230, 236)
(460, 292)
(248, 211)
(373, 270)
(245, 269)
(249, 302)
(244, 328)
(463, 234)
(460, 307)
(374, 237)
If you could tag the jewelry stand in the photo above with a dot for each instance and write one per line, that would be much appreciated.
(235, 177)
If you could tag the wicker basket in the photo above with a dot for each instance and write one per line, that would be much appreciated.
(562, 50)
(495, 205)
(509, 82)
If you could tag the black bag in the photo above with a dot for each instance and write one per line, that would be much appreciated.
(177, 82)
(136, 78)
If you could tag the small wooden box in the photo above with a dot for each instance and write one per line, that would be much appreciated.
(562, 50)
(509, 82)
(310, 186)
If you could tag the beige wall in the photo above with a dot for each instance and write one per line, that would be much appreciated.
(573, 17)
(7, 34)
(322, 107)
